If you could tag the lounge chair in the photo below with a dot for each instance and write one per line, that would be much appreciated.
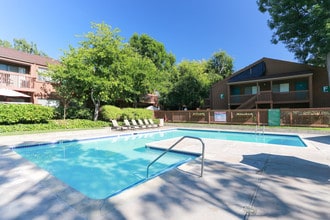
(152, 123)
(142, 124)
(127, 124)
(135, 124)
(147, 123)
(116, 126)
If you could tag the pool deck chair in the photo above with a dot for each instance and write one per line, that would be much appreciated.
(116, 126)
(152, 123)
(135, 124)
(147, 123)
(141, 123)
(127, 124)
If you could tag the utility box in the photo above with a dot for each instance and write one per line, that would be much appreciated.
(274, 117)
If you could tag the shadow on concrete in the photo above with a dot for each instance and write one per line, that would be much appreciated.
(288, 166)
(321, 139)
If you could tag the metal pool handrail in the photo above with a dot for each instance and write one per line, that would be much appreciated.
(170, 148)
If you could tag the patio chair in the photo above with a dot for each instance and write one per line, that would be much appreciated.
(116, 126)
(152, 123)
(147, 123)
(127, 124)
(142, 124)
(136, 124)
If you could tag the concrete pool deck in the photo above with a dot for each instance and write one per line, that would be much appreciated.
(241, 181)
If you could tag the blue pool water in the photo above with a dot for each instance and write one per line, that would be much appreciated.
(103, 167)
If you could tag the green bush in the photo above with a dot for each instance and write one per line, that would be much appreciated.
(109, 112)
(25, 113)
(140, 113)
(53, 125)
(128, 113)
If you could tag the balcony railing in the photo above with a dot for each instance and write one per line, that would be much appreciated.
(293, 96)
(16, 81)
(274, 97)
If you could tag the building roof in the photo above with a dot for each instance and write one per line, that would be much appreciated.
(13, 54)
(257, 71)
(275, 76)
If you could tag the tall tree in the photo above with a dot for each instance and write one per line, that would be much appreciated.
(138, 76)
(92, 67)
(64, 79)
(219, 66)
(151, 49)
(191, 88)
(302, 25)
(154, 50)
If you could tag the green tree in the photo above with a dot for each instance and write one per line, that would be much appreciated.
(92, 69)
(138, 76)
(154, 50)
(302, 25)
(167, 74)
(65, 82)
(22, 45)
(219, 66)
(191, 88)
(5, 43)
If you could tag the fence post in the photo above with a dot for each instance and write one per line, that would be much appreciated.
(209, 116)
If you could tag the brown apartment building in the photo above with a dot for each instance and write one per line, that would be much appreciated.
(270, 83)
(21, 78)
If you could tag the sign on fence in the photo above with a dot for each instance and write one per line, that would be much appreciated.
(220, 116)
(274, 117)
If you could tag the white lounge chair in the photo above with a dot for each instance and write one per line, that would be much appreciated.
(127, 124)
(152, 123)
(142, 124)
(116, 126)
(135, 124)
(147, 123)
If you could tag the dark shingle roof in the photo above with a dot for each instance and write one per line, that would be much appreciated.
(13, 54)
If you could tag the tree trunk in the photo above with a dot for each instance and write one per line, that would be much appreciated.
(96, 110)
(96, 103)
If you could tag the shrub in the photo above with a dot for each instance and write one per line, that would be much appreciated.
(25, 113)
(53, 125)
(109, 112)
(128, 113)
(143, 113)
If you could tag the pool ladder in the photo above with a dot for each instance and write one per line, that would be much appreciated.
(173, 145)
(260, 129)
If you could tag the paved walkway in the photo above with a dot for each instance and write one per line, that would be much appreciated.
(241, 181)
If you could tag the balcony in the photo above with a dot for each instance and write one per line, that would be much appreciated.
(269, 97)
(16, 81)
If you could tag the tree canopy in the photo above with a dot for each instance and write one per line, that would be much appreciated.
(302, 25)
(104, 69)
(22, 45)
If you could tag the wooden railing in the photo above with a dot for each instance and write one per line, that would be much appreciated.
(269, 96)
(16, 81)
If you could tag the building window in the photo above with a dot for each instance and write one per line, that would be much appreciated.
(283, 87)
(12, 68)
(42, 75)
(251, 90)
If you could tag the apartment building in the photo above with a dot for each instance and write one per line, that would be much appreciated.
(22, 79)
(271, 83)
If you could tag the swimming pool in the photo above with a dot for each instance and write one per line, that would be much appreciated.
(103, 167)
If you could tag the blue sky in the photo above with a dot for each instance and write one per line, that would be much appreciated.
(190, 29)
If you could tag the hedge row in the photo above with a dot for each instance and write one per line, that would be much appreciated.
(27, 113)
(54, 125)
(109, 112)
